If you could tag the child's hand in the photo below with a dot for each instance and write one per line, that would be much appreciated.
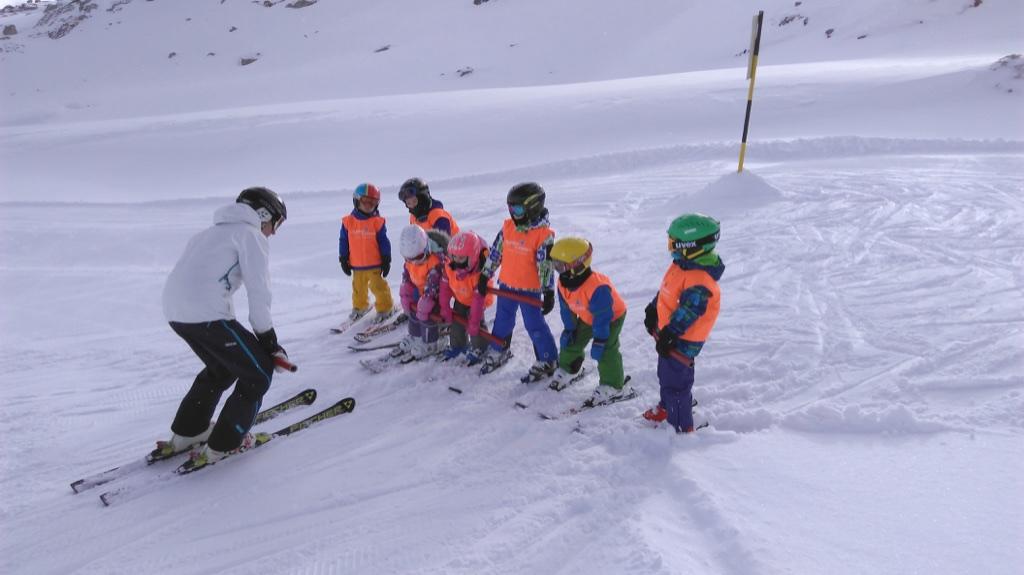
(666, 341)
(385, 266)
(549, 301)
(651, 318)
(423, 308)
(345, 265)
(597, 349)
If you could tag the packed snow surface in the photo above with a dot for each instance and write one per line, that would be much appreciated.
(864, 383)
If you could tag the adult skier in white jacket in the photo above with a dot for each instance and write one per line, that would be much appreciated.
(197, 301)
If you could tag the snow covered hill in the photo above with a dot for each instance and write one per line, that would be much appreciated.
(864, 382)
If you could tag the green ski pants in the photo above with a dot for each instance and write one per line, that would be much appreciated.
(570, 357)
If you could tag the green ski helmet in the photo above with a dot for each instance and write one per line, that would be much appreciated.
(692, 235)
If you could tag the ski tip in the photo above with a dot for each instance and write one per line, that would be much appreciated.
(309, 396)
(105, 499)
(349, 403)
(455, 389)
(76, 484)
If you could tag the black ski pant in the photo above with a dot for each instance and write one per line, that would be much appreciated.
(230, 353)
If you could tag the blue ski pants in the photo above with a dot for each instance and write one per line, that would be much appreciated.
(676, 380)
(540, 334)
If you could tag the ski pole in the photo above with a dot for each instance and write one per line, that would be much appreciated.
(465, 323)
(284, 363)
(516, 296)
(675, 354)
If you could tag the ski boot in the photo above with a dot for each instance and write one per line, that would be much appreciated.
(657, 414)
(475, 356)
(563, 379)
(206, 455)
(607, 394)
(422, 350)
(357, 314)
(178, 444)
(539, 370)
(384, 316)
(493, 359)
(404, 347)
(453, 353)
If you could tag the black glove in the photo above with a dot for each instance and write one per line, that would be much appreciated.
(268, 341)
(385, 266)
(481, 284)
(666, 341)
(549, 301)
(345, 266)
(651, 317)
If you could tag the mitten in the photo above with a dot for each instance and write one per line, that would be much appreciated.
(444, 301)
(597, 349)
(407, 294)
(385, 266)
(345, 265)
(423, 308)
(651, 317)
(476, 315)
(549, 301)
(481, 284)
(666, 341)
(268, 341)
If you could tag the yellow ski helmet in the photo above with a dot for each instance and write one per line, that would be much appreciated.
(571, 256)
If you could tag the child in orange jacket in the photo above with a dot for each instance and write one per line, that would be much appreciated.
(521, 249)
(682, 314)
(364, 253)
(421, 281)
(467, 254)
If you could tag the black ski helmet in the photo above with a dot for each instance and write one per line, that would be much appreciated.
(529, 195)
(419, 188)
(268, 205)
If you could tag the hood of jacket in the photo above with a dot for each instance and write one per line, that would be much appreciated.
(710, 263)
(236, 214)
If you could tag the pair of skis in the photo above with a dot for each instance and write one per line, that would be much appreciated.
(300, 399)
(303, 398)
(587, 405)
(131, 491)
(373, 330)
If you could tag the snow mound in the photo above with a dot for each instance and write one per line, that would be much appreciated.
(732, 195)
(854, 419)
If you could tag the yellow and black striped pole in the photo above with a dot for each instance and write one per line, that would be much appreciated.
(755, 49)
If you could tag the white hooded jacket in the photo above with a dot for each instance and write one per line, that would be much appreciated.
(216, 262)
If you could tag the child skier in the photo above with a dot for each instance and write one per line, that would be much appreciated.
(683, 313)
(467, 254)
(521, 251)
(590, 307)
(421, 282)
(364, 253)
(425, 211)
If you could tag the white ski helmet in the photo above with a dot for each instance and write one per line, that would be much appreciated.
(413, 242)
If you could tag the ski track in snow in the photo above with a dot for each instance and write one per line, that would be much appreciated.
(841, 275)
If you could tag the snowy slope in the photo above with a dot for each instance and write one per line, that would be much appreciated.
(864, 382)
